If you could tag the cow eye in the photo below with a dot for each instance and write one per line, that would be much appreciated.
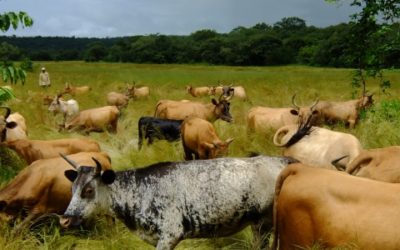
(88, 192)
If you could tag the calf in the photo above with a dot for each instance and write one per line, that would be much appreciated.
(382, 164)
(333, 209)
(168, 202)
(41, 188)
(151, 128)
(96, 119)
(32, 150)
(318, 147)
(200, 139)
(138, 92)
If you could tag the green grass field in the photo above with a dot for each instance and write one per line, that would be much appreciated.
(265, 86)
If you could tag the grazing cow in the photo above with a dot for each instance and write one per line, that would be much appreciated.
(12, 126)
(200, 138)
(347, 112)
(382, 164)
(333, 209)
(138, 92)
(318, 147)
(151, 128)
(179, 110)
(68, 108)
(95, 119)
(230, 91)
(261, 119)
(168, 202)
(78, 90)
(32, 150)
(118, 99)
(198, 91)
(41, 188)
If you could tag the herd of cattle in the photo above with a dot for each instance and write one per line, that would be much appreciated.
(312, 193)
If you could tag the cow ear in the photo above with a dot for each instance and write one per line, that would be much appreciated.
(108, 177)
(208, 145)
(315, 112)
(294, 112)
(213, 101)
(11, 124)
(71, 174)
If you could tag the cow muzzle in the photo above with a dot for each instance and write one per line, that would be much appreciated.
(70, 221)
(227, 118)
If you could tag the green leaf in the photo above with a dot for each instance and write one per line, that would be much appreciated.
(13, 18)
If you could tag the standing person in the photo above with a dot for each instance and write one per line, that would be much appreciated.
(44, 78)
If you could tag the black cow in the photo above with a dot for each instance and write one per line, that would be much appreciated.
(152, 128)
(168, 202)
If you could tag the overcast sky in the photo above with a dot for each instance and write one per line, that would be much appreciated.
(111, 18)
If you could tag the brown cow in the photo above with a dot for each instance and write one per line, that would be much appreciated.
(198, 91)
(347, 112)
(118, 99)
(32, 150)
(333, 209)
(179, 110)
(95, 119)
(200, 138)
(261, 119)
(382, 164)
(69, 89)
(318, 147)
(42, 188)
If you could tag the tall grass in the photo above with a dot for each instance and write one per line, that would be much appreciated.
(266, 86)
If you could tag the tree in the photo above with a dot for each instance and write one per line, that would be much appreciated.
(368, 43)
(13, 20)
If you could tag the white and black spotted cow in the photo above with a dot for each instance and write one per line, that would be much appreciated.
(168, 202)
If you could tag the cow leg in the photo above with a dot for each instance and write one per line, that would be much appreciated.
(188, 154)
(352, 123)
(167, 243)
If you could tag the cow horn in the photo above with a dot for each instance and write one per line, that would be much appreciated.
(294, 102)
(71, 162)
(315, 103)
(8, 112)
(98, 165)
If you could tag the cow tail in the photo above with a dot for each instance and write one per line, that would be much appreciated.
(357, 163)
(155, 111)
(286, 172)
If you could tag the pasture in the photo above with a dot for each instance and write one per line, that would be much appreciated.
(265, 86)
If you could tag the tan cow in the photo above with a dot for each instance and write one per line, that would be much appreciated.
(230, 91)
(334, 209)
(41, 188)
(12, 126)
(348, 111)
(318, 147)
(382, 164)
(75, 90)
(96, 119)
(32, 150)
(200, 139)
(118, 99)
(138, 92)
(198, 91)
(262, 119)
(179, 110)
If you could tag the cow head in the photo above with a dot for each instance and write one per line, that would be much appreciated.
(217, 149)
(90, 192)
(304, 114)
(228, 92)
(55, 104)
(130, 91)
(221, 109)
(4, 124)
(366, 101)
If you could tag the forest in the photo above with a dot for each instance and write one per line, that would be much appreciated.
(289, 41)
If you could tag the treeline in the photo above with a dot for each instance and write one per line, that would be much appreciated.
(289, 41)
